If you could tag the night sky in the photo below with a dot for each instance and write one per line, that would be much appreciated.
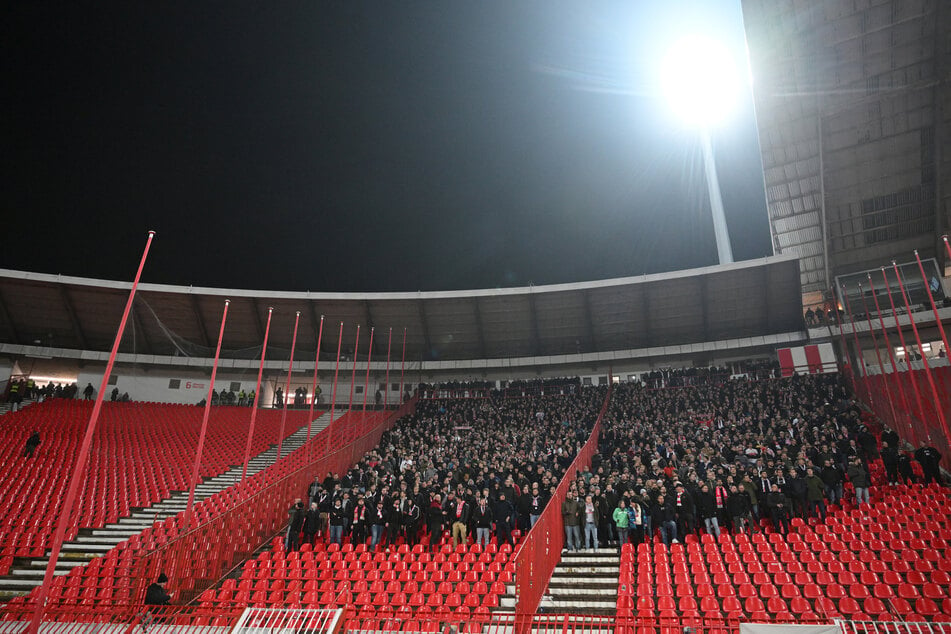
(363, 146)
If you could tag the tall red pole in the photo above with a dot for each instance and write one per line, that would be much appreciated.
(366, 383)
(838, 321)
(386, 391)
(333, 395)
(934, 307)
(403, 365)
(906, 404)
(257, 395)
(911, 373)
(65, 511)
(924, 360)
(858, 347)
(204, 419)
(353, 372)
(287, 388)
(313, 390)
(878, 354)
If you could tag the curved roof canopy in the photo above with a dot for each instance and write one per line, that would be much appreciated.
(744, 299)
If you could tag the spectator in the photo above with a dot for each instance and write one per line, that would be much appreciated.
(31, 444)
(155, 594)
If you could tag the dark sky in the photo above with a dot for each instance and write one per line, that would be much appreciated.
(362, 146)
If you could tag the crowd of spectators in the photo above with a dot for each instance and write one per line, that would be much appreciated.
(515, 387)
(459, 467)
(710, 375)
(727, 456)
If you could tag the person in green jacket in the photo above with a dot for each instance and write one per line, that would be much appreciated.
(620, 520)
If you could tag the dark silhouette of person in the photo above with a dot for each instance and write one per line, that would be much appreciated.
(31, 444)
(155, 594)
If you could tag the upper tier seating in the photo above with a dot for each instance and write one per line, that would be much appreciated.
(141, 452)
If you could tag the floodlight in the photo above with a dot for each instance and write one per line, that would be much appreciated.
(700, 79)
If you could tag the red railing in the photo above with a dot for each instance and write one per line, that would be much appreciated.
(198, 559)
(913, 423)
(540, 552)
(139, 618)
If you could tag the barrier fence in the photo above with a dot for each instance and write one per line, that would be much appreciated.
(197, 559)
(915, 419)
(540, 552)
(168, 620)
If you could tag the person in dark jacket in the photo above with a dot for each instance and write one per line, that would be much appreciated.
(815, 495)
(832, 478)
(686, 510)
(707, 507)
(795, 490)
(360, 519)
(459, 512)
(778, 509)
(537, 505)
(571, 518)
(664, 515)
(904, 468)
(482, 518)
(412, 515)
(295, 523)
(930, 460)
(155, 594)
(434, 520)
(860, 480)
(311, 523)
(338, 520)
(504, 514)
(739, 507)
(890, 460)
(31, 444)
(394, 520)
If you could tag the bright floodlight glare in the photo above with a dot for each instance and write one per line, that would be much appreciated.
(700, 80)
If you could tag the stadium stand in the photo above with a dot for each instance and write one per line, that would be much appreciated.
(452, 445)
(142, 453)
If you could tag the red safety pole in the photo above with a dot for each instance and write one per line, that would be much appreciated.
(65, 510)
(366, 383)
(257, 395)
(906, 404)
(204, 419)
(858, 346)
(313, 391)
(878, 354)
(924, 360)
(403, 365)
(838, 321)
(911, 373)
(353, 372)
(386, 392)
(333, 395)
(287, 388)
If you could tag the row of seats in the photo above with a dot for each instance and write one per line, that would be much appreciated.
(117, 568)
(465, 576)
(140, 454)
(861, 563)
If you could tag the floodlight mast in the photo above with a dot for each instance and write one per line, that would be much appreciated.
(720, 229)
(699, 81)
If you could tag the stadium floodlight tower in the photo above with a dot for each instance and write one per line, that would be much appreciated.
(701, 83)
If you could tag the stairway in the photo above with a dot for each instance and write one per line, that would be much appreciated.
(5, 407)
(583, 582)
(28, 572)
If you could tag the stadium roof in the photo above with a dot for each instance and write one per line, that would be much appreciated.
(744, 299)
